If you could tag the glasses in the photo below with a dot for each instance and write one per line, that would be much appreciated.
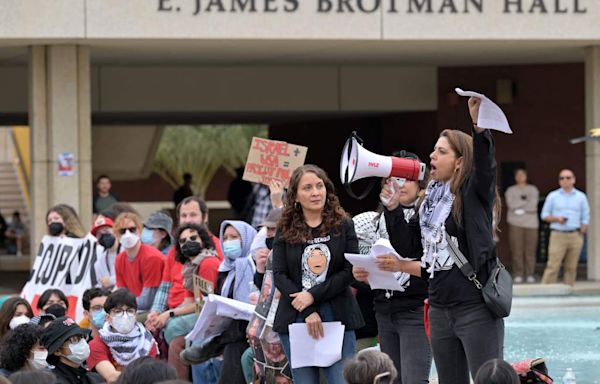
(183, 240)
(130, 229)
(119, 312)
(383, 378)
(75, 339)
(565, 177)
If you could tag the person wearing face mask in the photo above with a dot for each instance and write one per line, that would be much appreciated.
(196, 252)
(122, 339)
(399, 313)
(14, 312)
(236, 273)
(139, 266)
(93, 309)
(106, 252)
(21, 350)
(62, 220)
(157, 232)
(68, 351)
(53, 301)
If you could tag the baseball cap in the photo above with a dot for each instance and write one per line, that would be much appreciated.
(272, 218)
(58, 331)
(101, 221)
(160, 220)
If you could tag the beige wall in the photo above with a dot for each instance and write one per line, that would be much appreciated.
(133, 19)
(251, 88)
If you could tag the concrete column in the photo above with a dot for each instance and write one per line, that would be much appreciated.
(60, 118)
(592, 162)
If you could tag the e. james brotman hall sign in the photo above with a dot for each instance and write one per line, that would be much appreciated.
(199, 7)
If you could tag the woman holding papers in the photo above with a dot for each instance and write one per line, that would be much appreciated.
(460, 200)
(400, 313)
(311, 271)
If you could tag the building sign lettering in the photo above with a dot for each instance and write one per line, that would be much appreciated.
(199, 7)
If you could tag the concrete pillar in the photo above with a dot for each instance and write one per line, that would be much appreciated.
(592, 156)
(60, 118)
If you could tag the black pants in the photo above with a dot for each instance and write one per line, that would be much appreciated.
(231, 371)
(462, 339)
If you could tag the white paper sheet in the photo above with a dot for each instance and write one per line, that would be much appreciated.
(490, 114)
(216, 315)
(308, 352)
(379, 279)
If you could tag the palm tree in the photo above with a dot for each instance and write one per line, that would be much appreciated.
(201, 150)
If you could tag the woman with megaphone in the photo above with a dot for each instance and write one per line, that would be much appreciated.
(400, 312)
(311, 271)
(458, 207)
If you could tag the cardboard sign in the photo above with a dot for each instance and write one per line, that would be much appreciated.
(271, 160)
(64, 263)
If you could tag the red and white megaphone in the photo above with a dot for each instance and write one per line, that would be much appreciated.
(359, 163)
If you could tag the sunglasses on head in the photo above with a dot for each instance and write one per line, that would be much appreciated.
(130, 229)
(183, 240)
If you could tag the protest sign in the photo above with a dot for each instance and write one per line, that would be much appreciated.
(67, 264)
(271, 160)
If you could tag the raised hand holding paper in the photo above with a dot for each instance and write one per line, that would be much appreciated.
(490, 114)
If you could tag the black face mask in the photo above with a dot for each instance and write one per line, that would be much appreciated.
(191, 249)
(55, 229)
(269, 242)
(57, 310)
(106, 240)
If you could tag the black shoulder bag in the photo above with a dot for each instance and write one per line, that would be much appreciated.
(497, 291)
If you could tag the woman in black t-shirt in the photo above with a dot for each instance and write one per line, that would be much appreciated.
(310, 269)
(460, 199)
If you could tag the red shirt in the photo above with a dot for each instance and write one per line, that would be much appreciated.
(215, 240)
(145, 271)
(100, 352)
(173, 274)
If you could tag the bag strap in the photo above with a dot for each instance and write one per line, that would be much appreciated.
(461, 261)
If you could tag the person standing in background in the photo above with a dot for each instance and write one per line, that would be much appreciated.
(103, 198)
(522, 217)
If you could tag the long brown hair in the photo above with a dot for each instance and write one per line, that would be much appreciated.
(73, 226)
(462, 145)
(8, 311)
(292, 226)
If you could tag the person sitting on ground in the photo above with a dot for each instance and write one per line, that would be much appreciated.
(370, 366)
(67, 352)
(106, 252)
(139, 266)
(53, 301)
(496, 371)
(146, 370)
(157, 232)
(62, 220)
(122, 339)
(28, 377)
(21, 350)
(14, 312)
(93, 309)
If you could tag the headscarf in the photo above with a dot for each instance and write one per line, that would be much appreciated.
(241, 270)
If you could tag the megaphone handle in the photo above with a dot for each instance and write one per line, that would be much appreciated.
(365, 192)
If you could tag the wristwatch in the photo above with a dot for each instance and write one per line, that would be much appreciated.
(171, 314)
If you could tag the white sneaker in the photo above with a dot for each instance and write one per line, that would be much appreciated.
(530, 279)
(518, 280)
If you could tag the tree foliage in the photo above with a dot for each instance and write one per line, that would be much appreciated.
(201, 150)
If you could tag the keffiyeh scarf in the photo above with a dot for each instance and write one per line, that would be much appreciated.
(432, 217)
(191, 266)
(126, 348)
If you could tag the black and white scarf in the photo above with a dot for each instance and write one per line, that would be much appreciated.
(433, 213)
(126, 348)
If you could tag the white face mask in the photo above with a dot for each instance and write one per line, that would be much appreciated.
(129, 240)
(18, 320)
(79, 352)
(124, 323)
(39, 360)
